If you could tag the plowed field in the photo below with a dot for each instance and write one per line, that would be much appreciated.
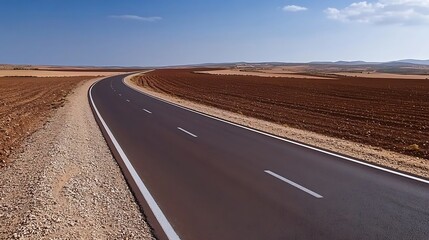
(389, 113)
(25, 105)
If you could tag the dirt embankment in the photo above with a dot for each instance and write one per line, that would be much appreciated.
(63, 182)
(360, 117)
(25, 105)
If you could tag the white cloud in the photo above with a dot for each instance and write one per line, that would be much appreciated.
(137, 18)
(383, 12)
(294, 8)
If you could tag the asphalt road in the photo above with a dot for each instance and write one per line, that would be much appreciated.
(200, 178)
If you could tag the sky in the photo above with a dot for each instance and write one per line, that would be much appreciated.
(176, 32)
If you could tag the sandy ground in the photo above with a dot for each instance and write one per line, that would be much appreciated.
(261, 73)
(65, 184)
(41, 73)
(393, 160)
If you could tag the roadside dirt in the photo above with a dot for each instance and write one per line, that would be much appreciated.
(64, 182)
(379, 121)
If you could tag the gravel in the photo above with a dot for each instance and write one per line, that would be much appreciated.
(65, 184)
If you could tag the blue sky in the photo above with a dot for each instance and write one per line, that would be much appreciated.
(170, 32)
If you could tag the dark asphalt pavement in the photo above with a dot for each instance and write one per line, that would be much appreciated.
(214, 180)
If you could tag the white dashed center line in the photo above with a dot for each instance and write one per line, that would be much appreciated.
(147, 110)
(183, 130)
(128, 100)
(316, 195)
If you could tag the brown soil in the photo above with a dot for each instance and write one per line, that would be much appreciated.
(387, 113)
(114, 70)
(26, 104)
(53, 73)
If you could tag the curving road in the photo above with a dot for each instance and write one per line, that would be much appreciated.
(198, 177)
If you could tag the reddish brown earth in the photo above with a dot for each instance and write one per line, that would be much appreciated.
(26, 104)
(86, 69)
(389, 113)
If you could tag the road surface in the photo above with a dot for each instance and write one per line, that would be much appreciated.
(201, 178)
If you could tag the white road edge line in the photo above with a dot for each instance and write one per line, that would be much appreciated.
(314, 194)
(147, 111)
(183, 130)
(284, 139)
(166, 226)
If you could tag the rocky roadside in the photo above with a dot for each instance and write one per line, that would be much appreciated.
(65, 184)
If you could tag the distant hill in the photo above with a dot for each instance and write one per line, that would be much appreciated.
(346, 63)
(414, 61)
(399, 63)
(340, 64)
(406, 62)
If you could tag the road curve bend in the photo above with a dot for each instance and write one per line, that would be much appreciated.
(198, 177)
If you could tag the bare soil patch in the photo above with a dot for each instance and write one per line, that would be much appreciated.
(25, 105)
(385, 113)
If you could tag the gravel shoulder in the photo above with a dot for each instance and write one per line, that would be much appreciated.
(401, 162)
(65, 184)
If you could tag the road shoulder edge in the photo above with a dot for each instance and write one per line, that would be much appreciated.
(136, 185)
